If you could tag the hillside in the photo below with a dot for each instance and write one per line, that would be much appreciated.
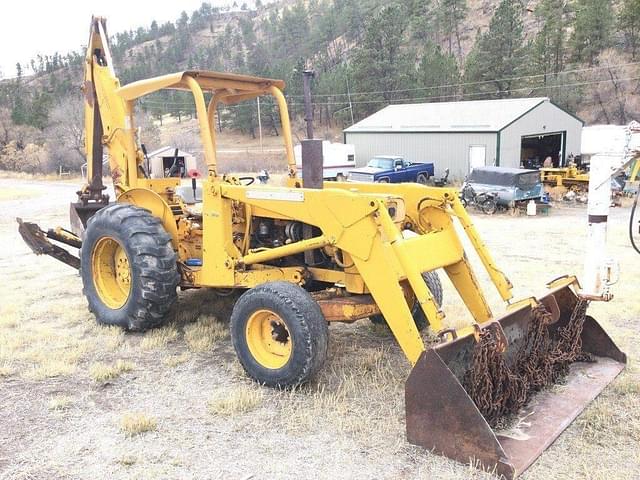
(366, 54)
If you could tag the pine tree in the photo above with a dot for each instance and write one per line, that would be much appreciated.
(499, 54)
(381, 63)
(423, 21)
(19, 112)
(549, 45)
(593, 26)
(451, 13)
(38, 116)
(438, 69)
(629, 24)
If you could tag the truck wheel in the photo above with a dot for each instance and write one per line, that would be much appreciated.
(433, 282)
(340, 178)
(383, 180)
(423, 178)
(128, 267)
(279, 334)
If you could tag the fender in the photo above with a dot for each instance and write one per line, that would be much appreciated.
(153, 202)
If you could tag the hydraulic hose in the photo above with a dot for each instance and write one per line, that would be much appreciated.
(631, 221)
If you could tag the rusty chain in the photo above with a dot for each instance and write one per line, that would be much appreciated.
(499, 390)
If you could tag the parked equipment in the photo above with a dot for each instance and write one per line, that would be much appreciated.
(568, 177)
(487, 202)
(513, 187)
(308, 257)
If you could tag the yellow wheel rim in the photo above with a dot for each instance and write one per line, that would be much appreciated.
(111, 272)
(268, 339)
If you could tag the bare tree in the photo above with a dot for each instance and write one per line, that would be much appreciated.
(65, 134)
(149, 131)
(617, 92)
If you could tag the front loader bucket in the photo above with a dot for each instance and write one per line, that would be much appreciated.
(442, 417)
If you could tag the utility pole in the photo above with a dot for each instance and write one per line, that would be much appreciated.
(349, 98)
(307, 75)
(259, 124)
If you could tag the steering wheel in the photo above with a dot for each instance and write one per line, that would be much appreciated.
(249, 180)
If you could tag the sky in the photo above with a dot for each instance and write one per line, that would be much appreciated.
(29, 27)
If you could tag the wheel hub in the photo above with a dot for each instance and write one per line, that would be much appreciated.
(268, 339)
(111, 272)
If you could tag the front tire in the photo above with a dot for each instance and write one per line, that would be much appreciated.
(423, 178)
(279, 334)
(128, 267)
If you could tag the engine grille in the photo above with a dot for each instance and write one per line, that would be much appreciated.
(360, 177)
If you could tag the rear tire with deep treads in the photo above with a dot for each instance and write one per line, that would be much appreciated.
(123, 234)
(292, 345)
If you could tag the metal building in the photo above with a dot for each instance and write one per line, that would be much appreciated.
(163, 158)
(461, 135)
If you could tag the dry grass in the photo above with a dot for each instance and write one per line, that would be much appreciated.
(110, 336)
(205, 333)
(9, 316)
(49, 369)
(6, 370)
(59, 402)
(629, 384)
(175, 360)
(136, 423)
(101, 372)
(242, 400)
(37, 349)
(159, 338)
(9, 194)
(356, 396)
(49, 177)
(128, 460)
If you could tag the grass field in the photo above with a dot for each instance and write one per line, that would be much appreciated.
(79, 400)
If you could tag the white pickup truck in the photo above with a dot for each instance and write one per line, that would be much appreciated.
(339, 159)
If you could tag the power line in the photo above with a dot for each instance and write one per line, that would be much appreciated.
(464, 84)
(542, 87)
(412, 99)
(158, 102)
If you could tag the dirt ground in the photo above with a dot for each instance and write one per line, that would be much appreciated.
(78, 400)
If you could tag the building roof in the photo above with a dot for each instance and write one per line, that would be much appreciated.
(168, 151)
(469, 116)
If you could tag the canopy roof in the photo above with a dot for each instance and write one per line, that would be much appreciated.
(500, 175)
(208, 81)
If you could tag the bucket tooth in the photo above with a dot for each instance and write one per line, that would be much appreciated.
(443, 418)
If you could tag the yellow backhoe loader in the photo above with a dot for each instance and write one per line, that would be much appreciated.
(307, 257)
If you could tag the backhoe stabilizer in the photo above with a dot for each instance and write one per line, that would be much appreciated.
(39, 242)
(442, 416)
